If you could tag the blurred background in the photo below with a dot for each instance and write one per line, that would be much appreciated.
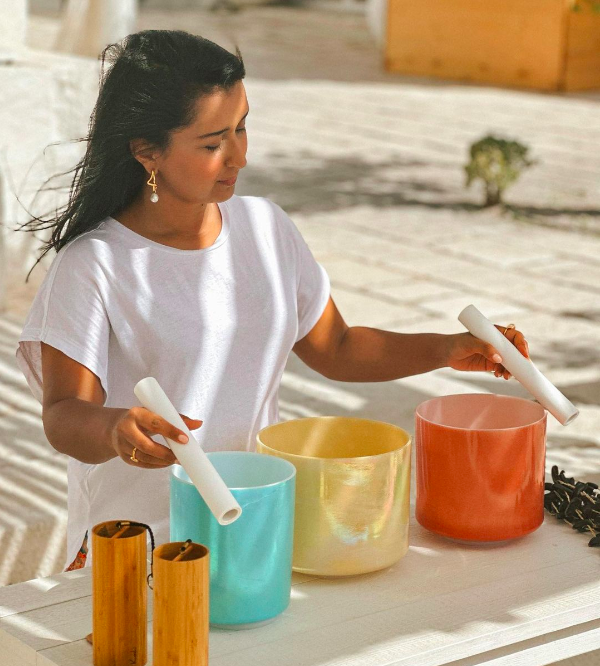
(433, 154)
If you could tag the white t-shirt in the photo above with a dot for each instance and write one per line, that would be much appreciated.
(214, 326)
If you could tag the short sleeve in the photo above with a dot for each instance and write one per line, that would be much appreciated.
(312, 282)
(68, 313)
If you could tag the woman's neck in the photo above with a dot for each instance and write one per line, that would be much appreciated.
(190, 228)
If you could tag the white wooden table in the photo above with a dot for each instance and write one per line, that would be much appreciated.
(532, 601)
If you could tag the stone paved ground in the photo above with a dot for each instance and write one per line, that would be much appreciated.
(369, 165)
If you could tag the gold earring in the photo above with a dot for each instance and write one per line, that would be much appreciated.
(152, 182)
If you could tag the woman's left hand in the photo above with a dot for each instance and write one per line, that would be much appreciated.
(468, 353)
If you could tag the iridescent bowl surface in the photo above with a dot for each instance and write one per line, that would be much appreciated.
(352, 492)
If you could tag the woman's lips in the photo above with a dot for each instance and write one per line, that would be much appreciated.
(228, 182)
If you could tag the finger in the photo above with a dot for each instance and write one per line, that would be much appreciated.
(142, 465)
(131, 435)
(501, 371)
(156, 425)
(521, 344)
(146, 459)
(490, 353)
(153, 451)
(517, 338)
(192, 424)
(143, 460)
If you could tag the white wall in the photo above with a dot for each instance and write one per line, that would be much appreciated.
(13, 27)
(376, 15)
(46, 98)
(87, 26)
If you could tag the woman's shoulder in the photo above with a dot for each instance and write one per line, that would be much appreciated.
(261, 213)
(253, 205)
(84, 252)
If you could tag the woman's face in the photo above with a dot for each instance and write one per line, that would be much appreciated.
(194, 165)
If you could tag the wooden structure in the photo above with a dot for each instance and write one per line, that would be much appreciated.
(119, 594)
(181, 589)
(540, 44)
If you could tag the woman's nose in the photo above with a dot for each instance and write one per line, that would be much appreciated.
(237, 159)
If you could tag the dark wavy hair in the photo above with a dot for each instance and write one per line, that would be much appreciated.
(150, 89)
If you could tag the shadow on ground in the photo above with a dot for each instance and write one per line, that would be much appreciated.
(33, 481)
(315, 183)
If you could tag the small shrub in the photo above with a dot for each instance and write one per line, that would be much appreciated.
(498, 163)
(580, 5)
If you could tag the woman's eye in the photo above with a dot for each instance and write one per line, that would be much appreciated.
(213, 148)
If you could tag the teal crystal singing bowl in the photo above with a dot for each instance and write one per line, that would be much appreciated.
(251, 558)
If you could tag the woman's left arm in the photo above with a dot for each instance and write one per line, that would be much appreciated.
(361, 354)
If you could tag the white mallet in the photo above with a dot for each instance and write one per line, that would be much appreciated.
(193, 459)
(521, 368)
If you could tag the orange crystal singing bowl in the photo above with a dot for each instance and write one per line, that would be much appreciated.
(480, 466)
(352, 492)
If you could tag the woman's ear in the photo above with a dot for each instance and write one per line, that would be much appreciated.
(144, 153)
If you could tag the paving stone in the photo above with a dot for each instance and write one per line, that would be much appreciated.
(574, 273)
(549, 297)
(413, 290)
(568, 331)
(353, 273)
(433, 324)
(497, 310)
(362, 310)
(498, 251)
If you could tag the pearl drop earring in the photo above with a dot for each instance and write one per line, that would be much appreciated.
(152, 182)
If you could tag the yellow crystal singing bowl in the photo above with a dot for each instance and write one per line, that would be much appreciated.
(352, 492)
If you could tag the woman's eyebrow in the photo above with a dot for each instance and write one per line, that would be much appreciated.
(205, 136)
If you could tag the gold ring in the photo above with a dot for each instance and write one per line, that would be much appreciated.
(132, 456)
(507, 328)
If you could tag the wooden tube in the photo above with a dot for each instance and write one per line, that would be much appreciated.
(119, 595)
(180, 627)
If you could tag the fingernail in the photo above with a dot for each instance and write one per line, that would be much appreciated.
(497, 358)
(183, 439)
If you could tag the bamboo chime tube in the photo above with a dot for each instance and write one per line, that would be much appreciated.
(119, 594)
(181, 583)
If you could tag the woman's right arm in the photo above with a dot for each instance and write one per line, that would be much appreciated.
(76, 422)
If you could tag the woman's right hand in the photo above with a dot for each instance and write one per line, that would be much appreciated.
(134, 428)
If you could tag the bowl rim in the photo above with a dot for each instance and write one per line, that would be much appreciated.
(292, 474)
(341, 418)
(492, 396)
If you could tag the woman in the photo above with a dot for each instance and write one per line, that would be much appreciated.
(161, 270)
